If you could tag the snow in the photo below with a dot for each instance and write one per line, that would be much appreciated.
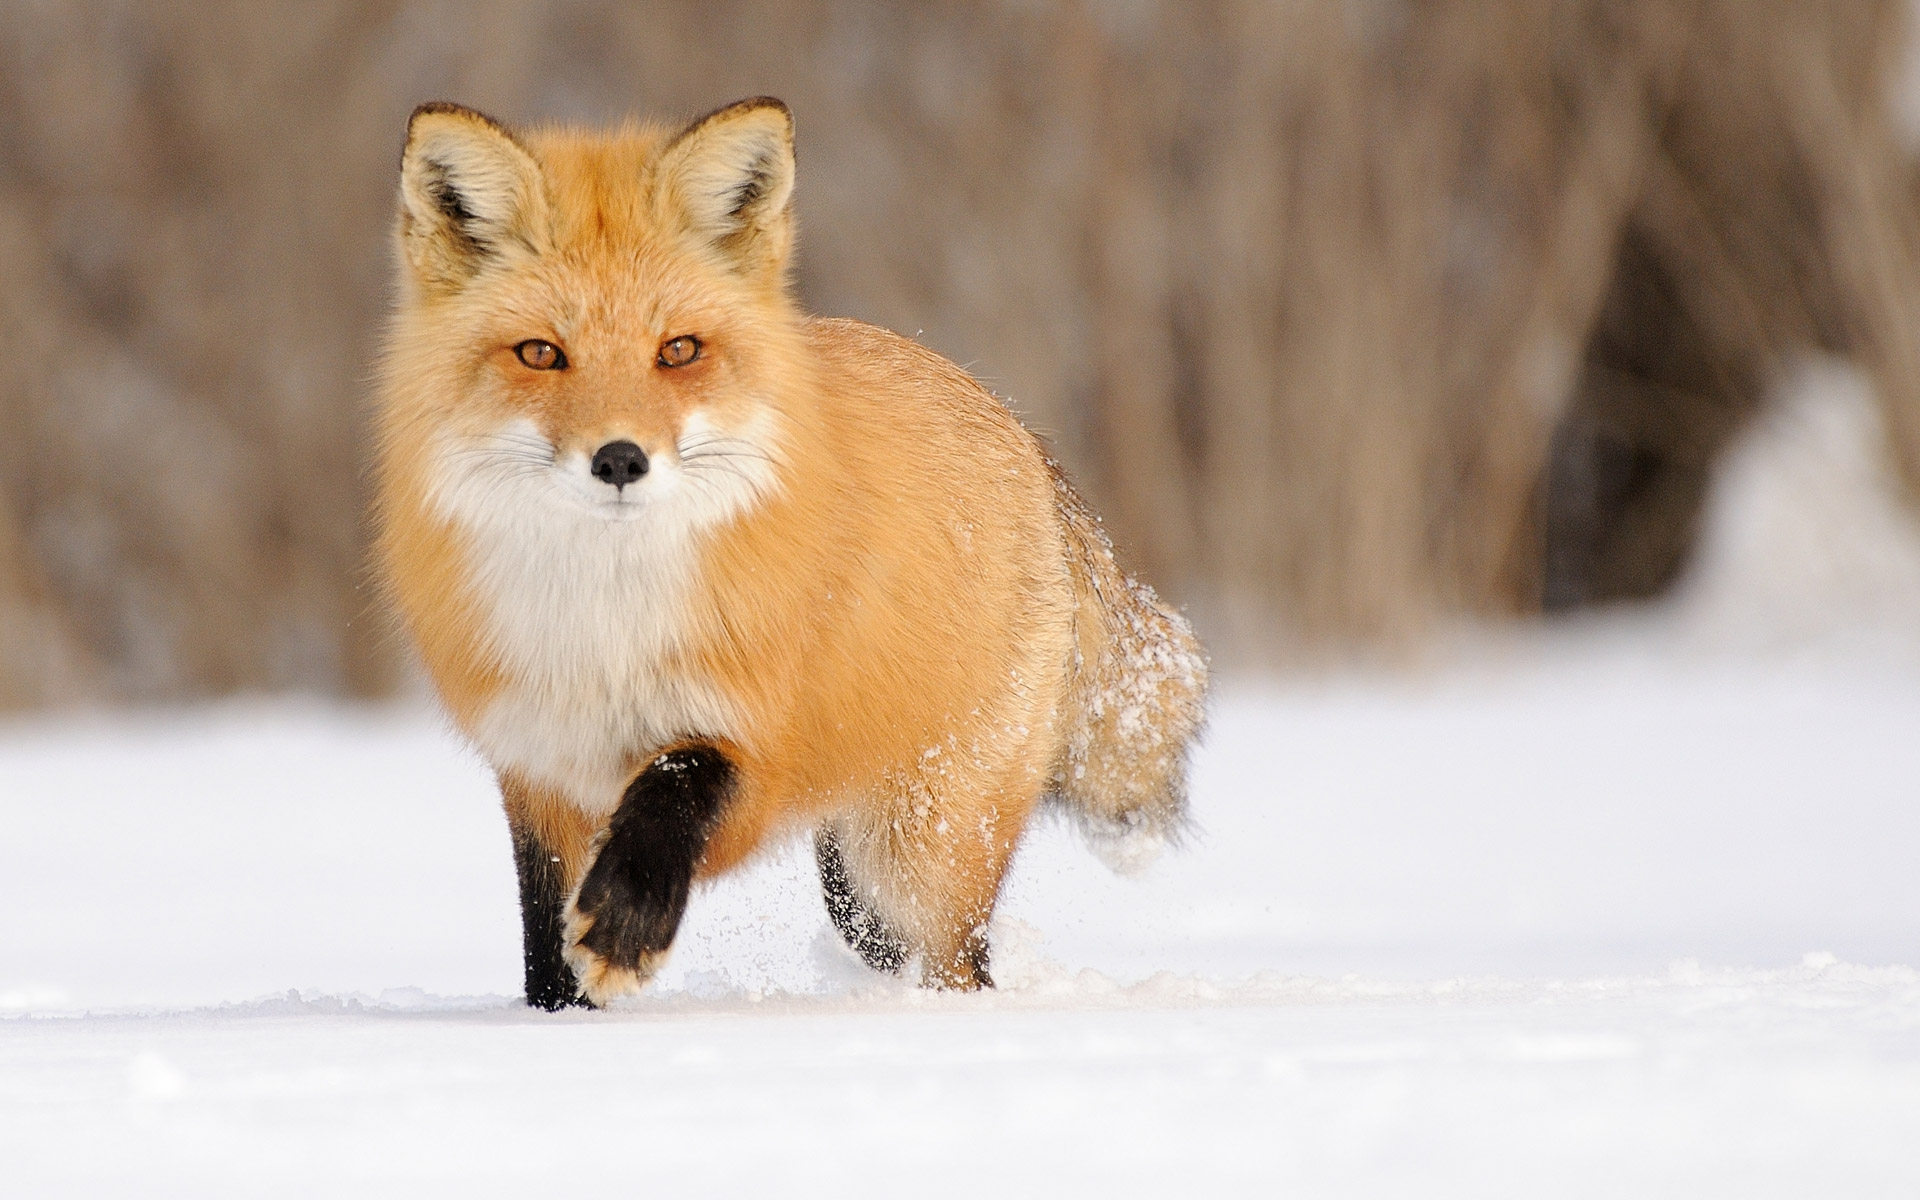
(1624, 907)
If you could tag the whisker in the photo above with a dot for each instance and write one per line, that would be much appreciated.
(720, 444)
(735, 460)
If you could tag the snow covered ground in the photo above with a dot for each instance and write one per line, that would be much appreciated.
(1622, 908)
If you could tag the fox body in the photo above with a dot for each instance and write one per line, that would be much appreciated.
(696, 571)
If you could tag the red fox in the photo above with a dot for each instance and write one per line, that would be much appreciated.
(697, 572)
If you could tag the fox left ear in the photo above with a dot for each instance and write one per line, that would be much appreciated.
(469, 194)
(730, 175)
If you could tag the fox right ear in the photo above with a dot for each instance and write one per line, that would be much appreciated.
(468, 193)
(730, 176)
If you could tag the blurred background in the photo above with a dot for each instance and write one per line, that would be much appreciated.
(1359, 319)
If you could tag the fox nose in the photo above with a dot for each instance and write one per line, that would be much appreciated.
(619, 463)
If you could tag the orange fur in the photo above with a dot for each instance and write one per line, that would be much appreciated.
(899, 618)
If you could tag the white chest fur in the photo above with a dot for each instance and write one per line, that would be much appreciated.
(584, 601)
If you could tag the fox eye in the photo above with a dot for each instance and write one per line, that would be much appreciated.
(678, 352)
(540, 355)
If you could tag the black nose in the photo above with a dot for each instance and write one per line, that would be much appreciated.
(619, 463)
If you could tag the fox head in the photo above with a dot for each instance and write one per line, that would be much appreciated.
(596, 322)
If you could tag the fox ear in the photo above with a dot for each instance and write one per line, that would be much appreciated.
(730, 175)
(468, 193)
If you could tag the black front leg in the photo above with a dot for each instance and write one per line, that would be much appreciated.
(633, 897)
(543, 907)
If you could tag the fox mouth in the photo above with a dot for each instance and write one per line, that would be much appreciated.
(619, 508)
(627, 504)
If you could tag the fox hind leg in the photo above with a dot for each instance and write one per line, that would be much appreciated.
(864, 930)
(920, 877)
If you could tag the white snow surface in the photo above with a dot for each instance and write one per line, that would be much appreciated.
(1623, 908)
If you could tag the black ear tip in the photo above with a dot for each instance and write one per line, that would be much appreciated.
(740, 108)
(773, 102)
(447, 108)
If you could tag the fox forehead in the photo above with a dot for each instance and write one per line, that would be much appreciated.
(616, 264)
(597, 304)
(600, 186)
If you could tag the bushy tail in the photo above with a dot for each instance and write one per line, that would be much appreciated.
(1137, 700)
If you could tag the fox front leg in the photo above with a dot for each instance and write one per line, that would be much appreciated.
(552, 843)
(543, 907)
(630, 902)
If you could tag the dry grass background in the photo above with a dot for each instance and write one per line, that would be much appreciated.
(1352, 315)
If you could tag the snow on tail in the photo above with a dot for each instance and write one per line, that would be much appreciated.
(1137, 700)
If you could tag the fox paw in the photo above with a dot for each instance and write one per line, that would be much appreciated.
(606, 957)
